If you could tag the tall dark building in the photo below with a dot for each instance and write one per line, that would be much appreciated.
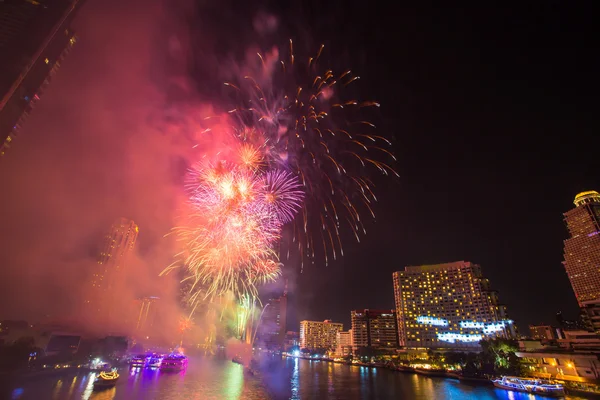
(35, 36)
(272, 324)
(374, 328)
(582, 255)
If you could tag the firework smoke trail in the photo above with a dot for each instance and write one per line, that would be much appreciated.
(305, 122)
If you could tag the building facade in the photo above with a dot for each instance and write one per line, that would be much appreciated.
(272, 328)
(582, 255)
(343, 343)
(108, 275)
(35, 36)
(319, 335)
(374, 328)
(447, 306)
(543, 332)
(561, 365)
(292, 340)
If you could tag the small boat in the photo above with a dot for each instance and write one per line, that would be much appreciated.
(432, 372)
(174, 362)
(237, 360)
(474, 379)
(106, 380)
(139, 361)
(155, 361)
(530, 385)
(405, 368)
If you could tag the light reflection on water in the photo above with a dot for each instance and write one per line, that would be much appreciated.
(208, 378)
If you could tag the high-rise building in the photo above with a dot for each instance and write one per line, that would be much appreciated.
(447, 306)
(374, 328)
(292, 339)
(35, 36)
(582, 255)
(543, 332)
(343, 343)
(108, 275)
(319, 335)
(272, 326)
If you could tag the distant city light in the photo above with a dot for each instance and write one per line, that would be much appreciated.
(425, 320)
(472, 324)
(458, 337)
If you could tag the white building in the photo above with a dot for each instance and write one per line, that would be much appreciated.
(319, 335)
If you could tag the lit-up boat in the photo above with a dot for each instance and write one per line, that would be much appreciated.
(106, 380)
(174, 362)
(139, 361)
(534, 386)
(155, 360)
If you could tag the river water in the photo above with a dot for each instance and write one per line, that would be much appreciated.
(212, 378)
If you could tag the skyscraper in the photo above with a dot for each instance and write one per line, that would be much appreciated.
(319, 335)
(374, 328)
(108, 275)
(447, 306)
(35, 36)
(582, 254)
(272, 326)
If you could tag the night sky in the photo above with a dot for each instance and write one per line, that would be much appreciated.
(490, 109)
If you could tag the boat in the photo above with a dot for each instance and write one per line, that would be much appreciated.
(474, 378)
(139, 361)
(237, 360)
(174, 362)
(432, 372)
(530, 385)
(106, 380)
(155, 361)
(405, 368)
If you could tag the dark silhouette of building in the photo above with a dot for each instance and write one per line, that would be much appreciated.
(35, 36)
(272, 324)
(374, 328)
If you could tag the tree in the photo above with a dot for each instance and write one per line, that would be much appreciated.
(500, 354)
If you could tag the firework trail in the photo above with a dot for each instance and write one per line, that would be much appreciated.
(297, 150)
(304, 121)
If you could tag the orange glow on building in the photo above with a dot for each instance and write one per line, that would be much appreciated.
(582, 253)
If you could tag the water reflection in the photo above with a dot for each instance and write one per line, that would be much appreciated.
(209, 378)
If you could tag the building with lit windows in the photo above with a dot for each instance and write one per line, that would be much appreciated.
(582, 255)
(108, 275)
(543, 332)
(343, 343)
(374, 328)
(447, 306)
(319, 335)
(35, 36)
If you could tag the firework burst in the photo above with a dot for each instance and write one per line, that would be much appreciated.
(305, 120)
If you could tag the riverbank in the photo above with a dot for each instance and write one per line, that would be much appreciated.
(572, 388)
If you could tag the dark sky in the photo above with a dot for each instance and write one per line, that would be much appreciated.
(490, 109)
(493, 110)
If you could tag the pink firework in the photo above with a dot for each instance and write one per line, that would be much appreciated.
(282, 192)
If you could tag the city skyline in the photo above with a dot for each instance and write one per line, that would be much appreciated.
(298, 199)
(405, 233)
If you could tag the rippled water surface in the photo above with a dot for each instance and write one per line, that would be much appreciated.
(210, 378)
